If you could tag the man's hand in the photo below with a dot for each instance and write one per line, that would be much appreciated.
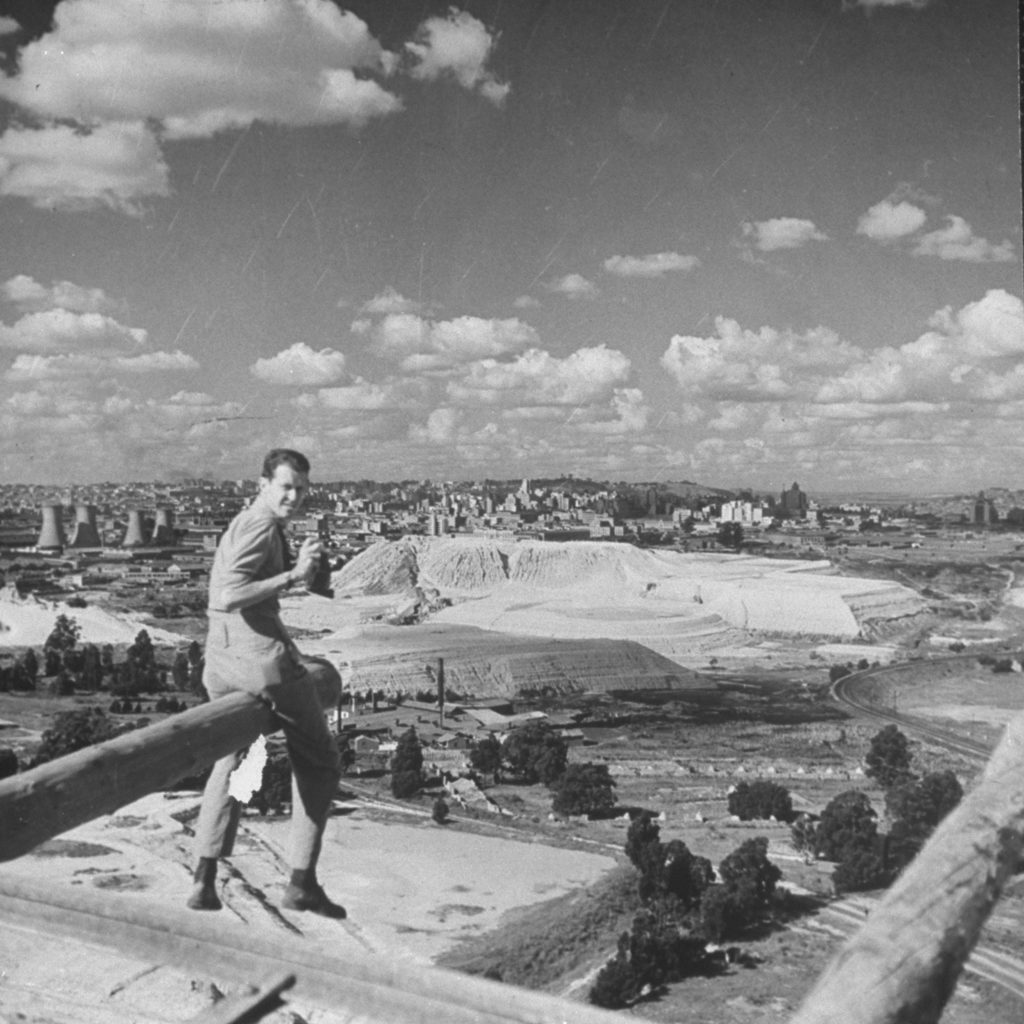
(307, 560)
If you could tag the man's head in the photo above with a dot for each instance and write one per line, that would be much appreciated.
(284, 482)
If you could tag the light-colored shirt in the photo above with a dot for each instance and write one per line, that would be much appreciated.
(251, 549)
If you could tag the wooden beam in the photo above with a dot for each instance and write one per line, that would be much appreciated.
(44, 802)
(367, 987)
(904, 962)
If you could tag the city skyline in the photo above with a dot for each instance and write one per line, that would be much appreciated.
(733, 243)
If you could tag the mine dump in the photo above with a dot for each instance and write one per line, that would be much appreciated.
(482, 599)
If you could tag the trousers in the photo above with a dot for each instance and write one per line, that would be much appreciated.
(297, 688)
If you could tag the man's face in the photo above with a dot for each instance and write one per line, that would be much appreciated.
(285, 491)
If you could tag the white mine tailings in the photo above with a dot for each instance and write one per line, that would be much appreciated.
(679, 606)
(28, 621)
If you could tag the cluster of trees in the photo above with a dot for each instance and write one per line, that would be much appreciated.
(682, 910)
(536, 753)
(753, 801)
(532, 754)
(847, 831)
(73, 666)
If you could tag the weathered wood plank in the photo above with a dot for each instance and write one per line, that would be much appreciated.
(904, 962)
(364, 987)
(44, 802)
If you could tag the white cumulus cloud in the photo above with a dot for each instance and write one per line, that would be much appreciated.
(457, 45)
(441, 427)
(301, 365)
(418, 343)
(957, 241)
(27, 368)
(389, 301)
(60, 330)
(115, 165)
(781, 233)
(573, 286)
(538, 378)
(888, 220)
(28, 294)
(199, 67)
(653, 265)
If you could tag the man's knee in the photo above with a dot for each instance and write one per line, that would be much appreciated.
(326, 680)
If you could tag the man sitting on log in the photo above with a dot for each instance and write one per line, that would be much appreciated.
(249, 649)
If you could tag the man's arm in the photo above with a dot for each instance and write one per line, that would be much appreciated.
(248, 548)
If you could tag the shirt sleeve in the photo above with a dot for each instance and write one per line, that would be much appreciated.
(251, 552)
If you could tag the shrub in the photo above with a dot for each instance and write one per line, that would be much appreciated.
(584, 789)
(888, 759)
(75, 730)
(750, 801)
(440, 810)
(837, 672)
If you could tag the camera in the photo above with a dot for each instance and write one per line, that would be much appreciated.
(321, 582)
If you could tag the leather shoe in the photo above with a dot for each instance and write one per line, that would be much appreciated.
(314, 901)
(204, 897)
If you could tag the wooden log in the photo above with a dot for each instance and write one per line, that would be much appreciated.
(904, 962)
(367, 987)
(44, 802)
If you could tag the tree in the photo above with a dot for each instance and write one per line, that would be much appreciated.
(643, 844)
(485, 756)
(407, 765)
(584, 789)
(916, 808)
(803, 832)
(64, 635)
(92, 670)
(75, 730)
(861, 870)
(750, 801)
(685, 876)
(52, 661)
(748, 869)
(888, 759)
(196, 664)
(744, 897)
(730, 535)
(8, 762)
(536, 753)
(31, 663)
(848, 824)
(179, 671)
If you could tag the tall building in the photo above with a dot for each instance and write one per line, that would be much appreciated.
(794, 502)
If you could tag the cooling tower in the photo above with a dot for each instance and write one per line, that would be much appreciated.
(52, 533)
(135, 535)
(86, 534)
(163, 532)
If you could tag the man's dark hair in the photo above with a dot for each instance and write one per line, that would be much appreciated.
(284, 456)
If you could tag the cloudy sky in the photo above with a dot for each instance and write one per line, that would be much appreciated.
(743, 242)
